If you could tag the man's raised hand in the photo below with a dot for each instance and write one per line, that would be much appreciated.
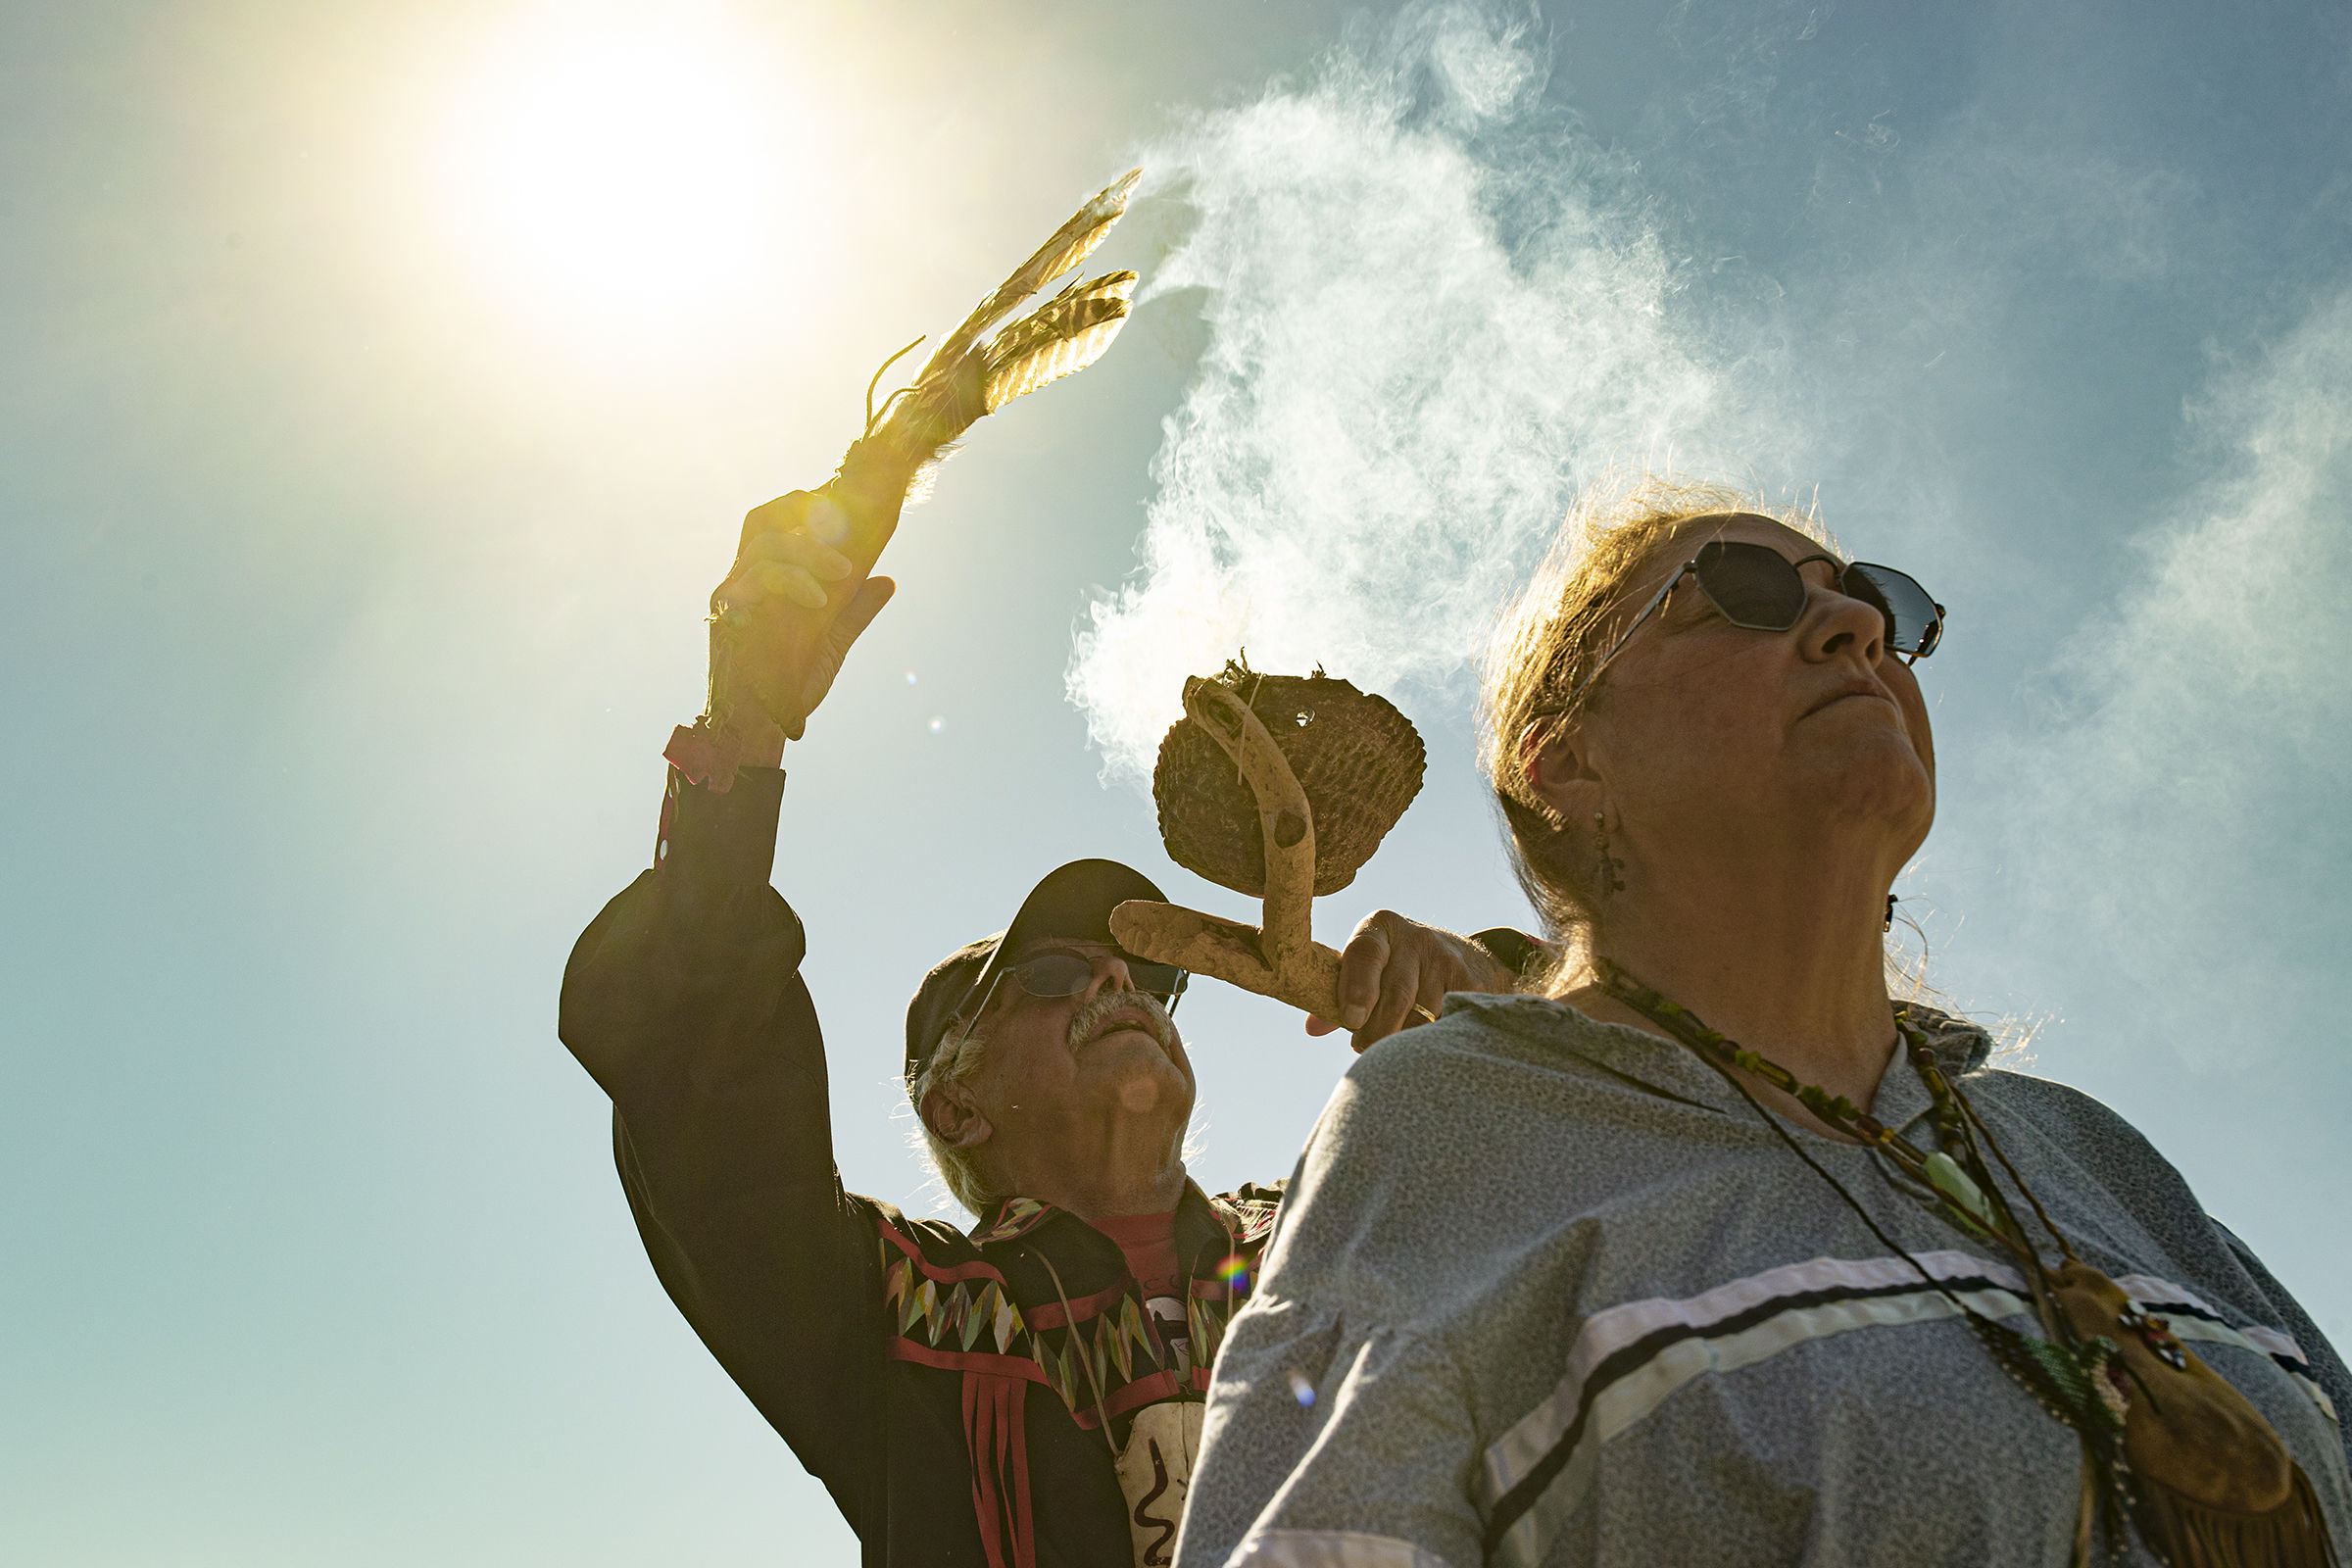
(784, 619)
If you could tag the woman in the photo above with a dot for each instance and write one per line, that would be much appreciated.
(1621, 1275)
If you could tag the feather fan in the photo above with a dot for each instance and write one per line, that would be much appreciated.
(969, 377)
(1072, 244)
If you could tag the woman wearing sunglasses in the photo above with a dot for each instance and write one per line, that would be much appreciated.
(1727, 1249)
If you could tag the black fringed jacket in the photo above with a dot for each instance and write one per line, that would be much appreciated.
(933, 1380)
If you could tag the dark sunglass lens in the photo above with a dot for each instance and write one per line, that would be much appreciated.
(1161, 980)
(1754, 585)
(1856, 583)
(1913, 620)
(1056, 974)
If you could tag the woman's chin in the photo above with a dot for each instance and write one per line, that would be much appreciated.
(1880, 780)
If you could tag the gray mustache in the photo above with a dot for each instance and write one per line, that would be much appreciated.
(1091, 1017)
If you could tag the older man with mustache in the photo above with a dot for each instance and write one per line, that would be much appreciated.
(1022, 1394)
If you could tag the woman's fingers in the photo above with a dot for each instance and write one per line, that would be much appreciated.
(1388, 964)
(1361, 967)
(1397, 972)
(1400, 991)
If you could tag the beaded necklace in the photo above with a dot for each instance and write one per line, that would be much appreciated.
(2197, 1467)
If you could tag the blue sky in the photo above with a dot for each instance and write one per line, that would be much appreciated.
(369, 451)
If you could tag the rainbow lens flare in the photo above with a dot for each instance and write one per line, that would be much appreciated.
(1234, 1272)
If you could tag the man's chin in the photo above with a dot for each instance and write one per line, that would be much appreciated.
(1125, 1040)
(1134, 1056)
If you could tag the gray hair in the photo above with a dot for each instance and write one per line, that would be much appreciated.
(957, 1169)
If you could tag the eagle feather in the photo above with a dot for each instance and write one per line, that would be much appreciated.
(1065, 335)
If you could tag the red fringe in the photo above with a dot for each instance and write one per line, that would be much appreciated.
(998, 1443)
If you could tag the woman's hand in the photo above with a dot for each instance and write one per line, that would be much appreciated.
(1395, 972)
(784, 619)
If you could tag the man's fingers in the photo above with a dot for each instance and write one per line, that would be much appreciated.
(787, 513)
(1362, 968)
(852, 619)
(860, 612)
(828, 521)
(819, 560)
(775, 579)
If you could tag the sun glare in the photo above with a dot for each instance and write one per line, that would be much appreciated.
(644, 172)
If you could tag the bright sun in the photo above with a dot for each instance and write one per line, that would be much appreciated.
(636, 170)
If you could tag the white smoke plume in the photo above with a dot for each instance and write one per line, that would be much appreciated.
(1432, 311)
(2183, 825)
(1434, 308)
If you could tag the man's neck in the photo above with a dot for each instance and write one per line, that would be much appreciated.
(1120, 1169)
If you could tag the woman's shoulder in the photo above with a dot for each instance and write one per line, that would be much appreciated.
(1506, 1032)
(1423, 1089)
(2083, 1132)
(2080, 1133)
(1493, 1089)
(2096, 1131)
(2085, 1123)
(1445, 1153)
(1519, 1062)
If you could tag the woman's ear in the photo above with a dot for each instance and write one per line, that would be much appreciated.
(1553, 760)
(948, 1111)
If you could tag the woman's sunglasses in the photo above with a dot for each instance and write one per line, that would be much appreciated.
(1054, 975)
(1756, 587)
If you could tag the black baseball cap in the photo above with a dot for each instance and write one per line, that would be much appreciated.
(1073, 901)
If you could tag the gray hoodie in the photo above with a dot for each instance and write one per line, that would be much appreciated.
(1548, 1291)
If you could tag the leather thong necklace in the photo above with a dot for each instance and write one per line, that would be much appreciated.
(2166, 1441)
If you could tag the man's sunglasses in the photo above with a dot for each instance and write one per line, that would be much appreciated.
(1756, 587)
(1053, 975)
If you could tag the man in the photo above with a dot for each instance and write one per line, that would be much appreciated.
(1025, 1395)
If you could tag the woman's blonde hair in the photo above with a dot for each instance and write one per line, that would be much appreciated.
(1547, 642)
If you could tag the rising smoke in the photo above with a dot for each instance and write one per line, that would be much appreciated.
(1434, 305)
(1433, 309)
(2181, 795)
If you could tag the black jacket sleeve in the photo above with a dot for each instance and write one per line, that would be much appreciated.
(683, 999)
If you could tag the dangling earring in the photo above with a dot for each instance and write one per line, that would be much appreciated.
(1606, 872)
(1890, 925)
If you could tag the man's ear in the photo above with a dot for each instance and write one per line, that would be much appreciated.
(1552, 758)
(948, 1111)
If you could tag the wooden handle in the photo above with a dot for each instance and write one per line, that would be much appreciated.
(1280, 958)
(1233, 952)
(1286, 823)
